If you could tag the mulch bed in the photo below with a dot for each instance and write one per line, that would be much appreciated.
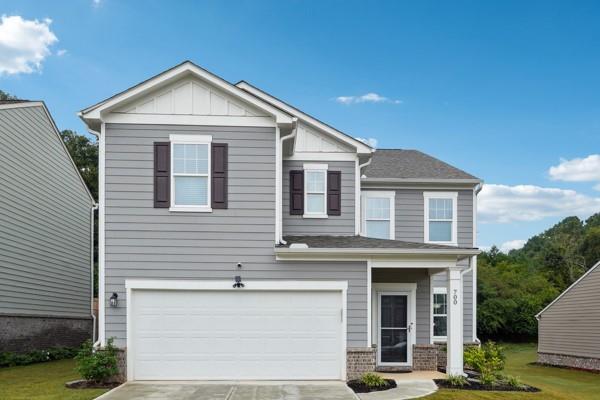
(83, 384)
(476, 385)
(360, 387)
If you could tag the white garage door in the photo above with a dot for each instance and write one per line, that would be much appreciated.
(236, 334)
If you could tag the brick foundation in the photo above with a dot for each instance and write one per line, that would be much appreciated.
(122, 365)
(23, 333)
(563, 360)
(360, 360)
(425, 357)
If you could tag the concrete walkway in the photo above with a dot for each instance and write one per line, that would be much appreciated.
(407, 389)
(231, 391)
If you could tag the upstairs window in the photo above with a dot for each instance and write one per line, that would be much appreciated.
(440, 313)
(315, 190)
(191, 162)
(378, 214)
(440, 217)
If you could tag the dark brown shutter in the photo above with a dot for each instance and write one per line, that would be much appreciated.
(297, 192)
(334, 193)
(162, 176)
(219, 175)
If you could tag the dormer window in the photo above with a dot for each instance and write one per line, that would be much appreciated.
(440, 217)
(378, 214)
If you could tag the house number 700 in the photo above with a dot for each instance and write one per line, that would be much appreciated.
(455, 297)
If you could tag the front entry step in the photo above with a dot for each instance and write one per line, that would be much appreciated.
(393, 369)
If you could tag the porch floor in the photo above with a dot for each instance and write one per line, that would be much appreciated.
(413, 376)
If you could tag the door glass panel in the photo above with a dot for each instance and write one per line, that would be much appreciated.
(393, 328)
(394, 345)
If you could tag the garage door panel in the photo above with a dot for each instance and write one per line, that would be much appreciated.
(237, 335)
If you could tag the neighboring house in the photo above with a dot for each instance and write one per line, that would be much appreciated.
(241, 238)
(569, 327)
(46, 217)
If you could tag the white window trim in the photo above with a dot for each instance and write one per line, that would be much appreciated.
(454, 231)
(438, 290)
(391, 196)
(323, 169)
(191, 139)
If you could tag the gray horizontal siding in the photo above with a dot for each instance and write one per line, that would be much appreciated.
(571, 325)
(333, 225)
(144, 242)
(44, 221)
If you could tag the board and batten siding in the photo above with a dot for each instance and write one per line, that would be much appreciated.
(571, 326)
(332, 225)
(45, 221)
(410, 227)
(154, 243)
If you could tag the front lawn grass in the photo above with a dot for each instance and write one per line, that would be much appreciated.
(44, 381)
(556, 383)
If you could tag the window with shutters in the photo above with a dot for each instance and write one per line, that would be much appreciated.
(191, 173)
(315, 191)
(378, 214)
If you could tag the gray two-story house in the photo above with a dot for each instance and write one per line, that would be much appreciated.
(46, 235)
(241, 238)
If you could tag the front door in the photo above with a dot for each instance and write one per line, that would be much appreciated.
(394, 328)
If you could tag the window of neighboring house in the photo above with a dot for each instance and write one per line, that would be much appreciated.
(315, 190)
(378, 214)
(440, 217)
(440, 313)
(190, 179)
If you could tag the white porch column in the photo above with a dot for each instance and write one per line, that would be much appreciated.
(455, 322)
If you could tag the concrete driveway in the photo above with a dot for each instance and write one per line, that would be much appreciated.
(231, 391)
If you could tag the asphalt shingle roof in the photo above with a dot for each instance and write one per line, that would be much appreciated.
(13, 101)
(361, 242)
(411, 164)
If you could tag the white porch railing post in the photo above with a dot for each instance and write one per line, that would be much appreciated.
(455, 322)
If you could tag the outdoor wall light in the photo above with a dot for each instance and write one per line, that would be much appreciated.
(114, 300)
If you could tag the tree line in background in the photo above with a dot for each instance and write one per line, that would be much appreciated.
(514, 287)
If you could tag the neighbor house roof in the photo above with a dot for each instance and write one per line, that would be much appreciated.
(407, 165)
(567, 290)
(14, 101)
(363, 244)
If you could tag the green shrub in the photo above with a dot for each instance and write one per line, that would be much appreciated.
(513, 381)
(372, 380)
(487, 360)
(56, 353)
(487, 378)
(97, 364)
(457, 380)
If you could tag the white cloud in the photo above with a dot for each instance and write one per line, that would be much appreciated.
(370, 141)
(504, 204)
(61, 52)
(365, 98)
(24, 44)
(512, 245)
(577, 170)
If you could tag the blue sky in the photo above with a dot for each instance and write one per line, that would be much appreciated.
(504, 90)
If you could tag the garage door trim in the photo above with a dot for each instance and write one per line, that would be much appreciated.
(221, 285)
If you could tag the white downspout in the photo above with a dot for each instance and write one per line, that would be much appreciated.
(279, 202)
(357, 194)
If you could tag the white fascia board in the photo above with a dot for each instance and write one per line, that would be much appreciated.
(282, 251)
(321, 156)
(422, 180)
(315, 123)
(184, 119)
(22, 104)
(97, 111)
(589, 271)
(249, 285)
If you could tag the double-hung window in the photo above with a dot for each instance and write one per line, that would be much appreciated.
(315, 190)
(440, 217)
(378, 214)
(440, 313)
(190, 177)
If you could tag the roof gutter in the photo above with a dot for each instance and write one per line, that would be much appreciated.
(376, 251)
(423, 180)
